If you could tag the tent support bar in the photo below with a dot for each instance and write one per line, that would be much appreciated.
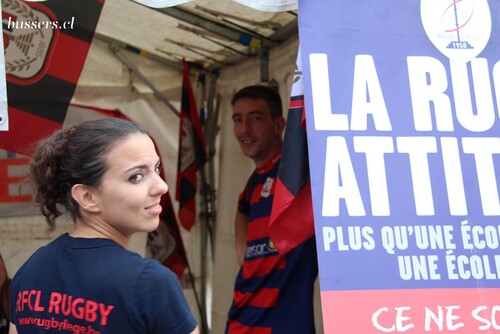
(198, 21)
(138, 73)
(114, 43)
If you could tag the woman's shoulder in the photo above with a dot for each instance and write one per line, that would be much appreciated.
(155, 271)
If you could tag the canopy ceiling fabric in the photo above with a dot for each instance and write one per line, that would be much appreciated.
(264, 5)
(211, 33)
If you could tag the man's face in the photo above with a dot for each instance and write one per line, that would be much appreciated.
(257, 133)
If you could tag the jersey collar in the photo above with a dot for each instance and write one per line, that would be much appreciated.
(266, 167)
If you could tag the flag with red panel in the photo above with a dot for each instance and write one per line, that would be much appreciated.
(292, 219)
(192, 154)
(165, 243)
(46, 44)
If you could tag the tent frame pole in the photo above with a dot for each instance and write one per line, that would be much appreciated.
(148, 83)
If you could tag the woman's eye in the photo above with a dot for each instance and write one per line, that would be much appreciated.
(157, 169)
(136, 177)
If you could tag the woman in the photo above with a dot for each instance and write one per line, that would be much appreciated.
(105, 174)
(4, 298)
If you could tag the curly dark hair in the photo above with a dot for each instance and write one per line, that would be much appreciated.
(4, 298)
(76, 155)
(4, 293)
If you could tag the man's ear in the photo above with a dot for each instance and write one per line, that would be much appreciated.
(279, 126)
(85, 197)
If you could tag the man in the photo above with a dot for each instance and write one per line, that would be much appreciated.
(273, 292)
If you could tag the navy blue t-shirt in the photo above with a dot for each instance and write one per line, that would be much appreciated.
(80, 285)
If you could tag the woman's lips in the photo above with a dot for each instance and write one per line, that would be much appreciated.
(154, 209)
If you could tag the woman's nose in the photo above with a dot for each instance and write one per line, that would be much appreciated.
(161, 187)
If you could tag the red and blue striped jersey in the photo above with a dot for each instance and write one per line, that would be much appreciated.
(273, 292)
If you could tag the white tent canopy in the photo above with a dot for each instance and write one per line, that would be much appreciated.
(134, 64)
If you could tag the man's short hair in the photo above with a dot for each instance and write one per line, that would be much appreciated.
(272, 98)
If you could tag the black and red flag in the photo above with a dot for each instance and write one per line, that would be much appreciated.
(165, 243)
(292, 219)
(46, 44)
(192, 154)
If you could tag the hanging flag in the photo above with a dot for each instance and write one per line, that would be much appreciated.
(165, 243)
(192, 154)
(45, 44)
(292, 219)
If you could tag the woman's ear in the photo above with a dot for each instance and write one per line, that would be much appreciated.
(85, 197)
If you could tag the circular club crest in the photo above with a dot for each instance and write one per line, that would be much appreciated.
(459, 29)
(28, 40)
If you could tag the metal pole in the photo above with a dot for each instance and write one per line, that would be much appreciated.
(138, 73)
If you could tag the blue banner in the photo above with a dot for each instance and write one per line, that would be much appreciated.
(403, 122)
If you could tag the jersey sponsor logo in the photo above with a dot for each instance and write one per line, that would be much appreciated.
(260, 249)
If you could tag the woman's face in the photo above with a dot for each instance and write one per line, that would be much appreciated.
(129, 195)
